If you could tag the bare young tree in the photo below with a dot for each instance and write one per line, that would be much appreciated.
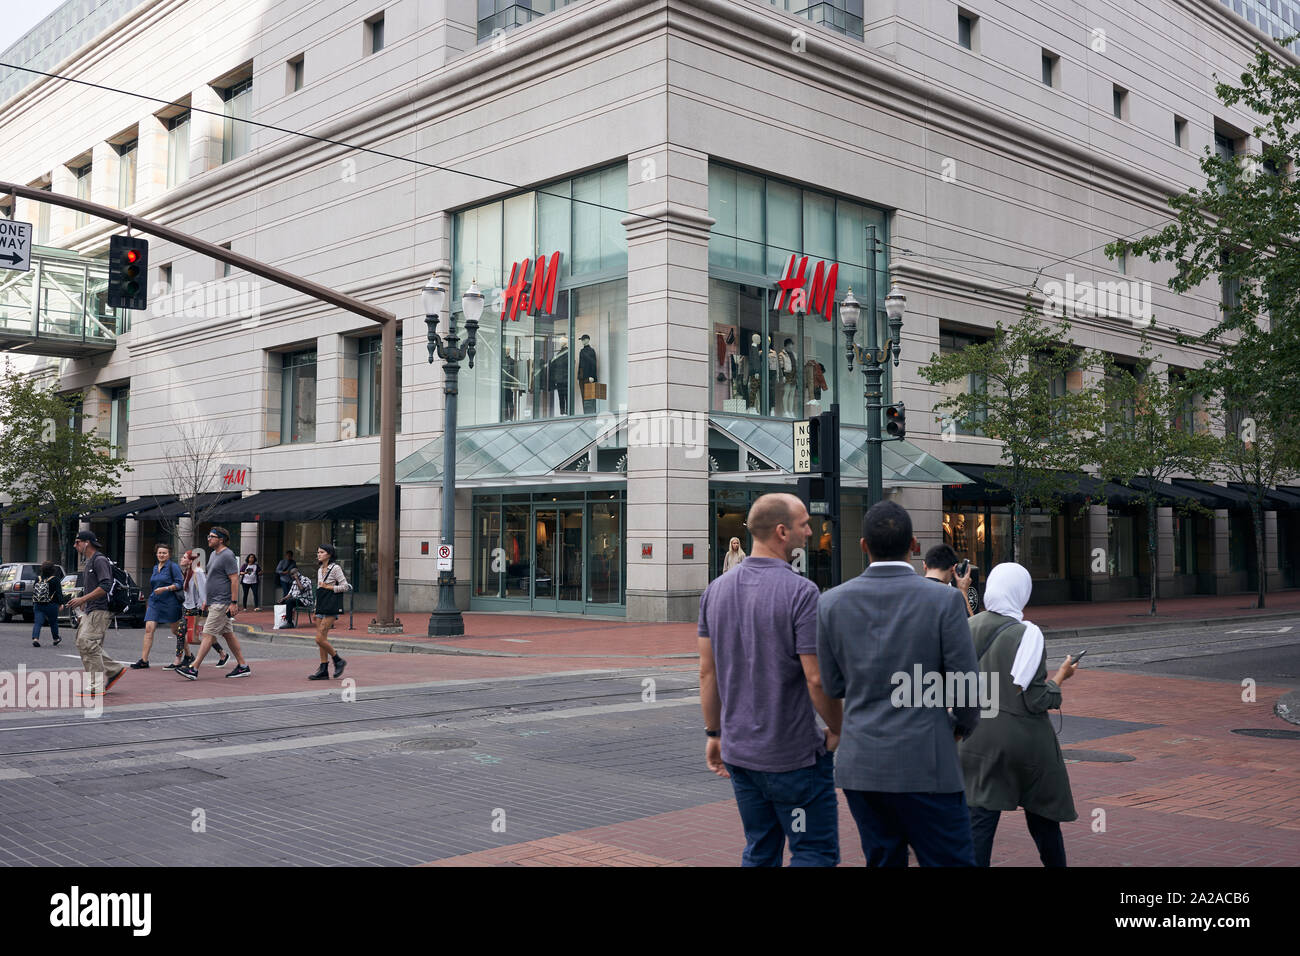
(193, 460)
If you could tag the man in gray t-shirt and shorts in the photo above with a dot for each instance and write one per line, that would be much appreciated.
(222, 572)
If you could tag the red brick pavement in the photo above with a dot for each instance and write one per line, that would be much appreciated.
(1197, 795)
(528, 635)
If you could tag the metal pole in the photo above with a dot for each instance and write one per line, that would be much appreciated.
(871, 368)
(837, 524)
(385, 619)
(446, 619)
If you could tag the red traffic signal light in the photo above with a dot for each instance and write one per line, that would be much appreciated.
(128, 267)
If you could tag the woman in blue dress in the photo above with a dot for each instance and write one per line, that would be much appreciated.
(166, 586)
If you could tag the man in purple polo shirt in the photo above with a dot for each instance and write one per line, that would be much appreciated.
(759, 685)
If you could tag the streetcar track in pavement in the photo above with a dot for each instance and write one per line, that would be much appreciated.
(511, 707)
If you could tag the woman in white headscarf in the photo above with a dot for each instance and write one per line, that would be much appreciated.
(1012, 759)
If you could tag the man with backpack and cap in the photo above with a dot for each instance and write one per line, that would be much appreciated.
(96, 583)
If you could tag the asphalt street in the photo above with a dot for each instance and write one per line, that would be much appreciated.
(411, 771)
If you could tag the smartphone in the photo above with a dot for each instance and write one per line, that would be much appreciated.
(961, 568)
(1077, 657)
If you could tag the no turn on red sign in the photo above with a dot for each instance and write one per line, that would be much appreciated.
(444, 557)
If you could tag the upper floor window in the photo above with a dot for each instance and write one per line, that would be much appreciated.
(119, 419)
(295, 77)
(298, 398)
(967, 26)
(126, 162)
(82, 173)
(375, 34)
(1051, 69)
(239, 108)
(498, 16)
(949, 343)
(178, 149)
(370, 384)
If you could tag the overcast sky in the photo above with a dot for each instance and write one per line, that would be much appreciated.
(19, 16)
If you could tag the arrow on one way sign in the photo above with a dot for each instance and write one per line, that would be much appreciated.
(15, 245)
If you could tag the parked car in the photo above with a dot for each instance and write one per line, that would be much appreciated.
(133, 616)
(16, 583)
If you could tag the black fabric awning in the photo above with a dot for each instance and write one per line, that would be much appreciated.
(303, 504)
(1224, 497)
(124, 509)
(1275, 499)
(1290, 494)
(983, 488)
(1169, 496)
(161, 508)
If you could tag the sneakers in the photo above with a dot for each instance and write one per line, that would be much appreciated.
(242, 670)
(172, 666)
(58, 641)
(189, 673)
(189, 659)
(322, 673)
(140, 665)
(339, 664)
(36, 643)
(222, 662)
(114, 679)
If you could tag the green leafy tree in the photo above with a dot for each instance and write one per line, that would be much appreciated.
(1147, 437)
(1260, 443)
(50, 470)
(1028, 393)
(1242, 227)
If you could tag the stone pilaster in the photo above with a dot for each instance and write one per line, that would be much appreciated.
(668, 382)
(138, 555)
(1165, 550)
(151, 158)
(1272, 562)
(1099, 539)
(206, 130)
(1221, 553)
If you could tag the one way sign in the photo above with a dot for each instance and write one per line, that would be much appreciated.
(15, 245)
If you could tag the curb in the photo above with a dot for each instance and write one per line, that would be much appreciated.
(1288, 707)
(248, 632)
(1077, 633)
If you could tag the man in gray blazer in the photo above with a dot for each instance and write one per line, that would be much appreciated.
(879, 636)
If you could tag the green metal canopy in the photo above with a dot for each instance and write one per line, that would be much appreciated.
(518, 450)
(903, 463)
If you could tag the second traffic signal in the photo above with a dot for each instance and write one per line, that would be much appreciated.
(128, 273)
(896, 420)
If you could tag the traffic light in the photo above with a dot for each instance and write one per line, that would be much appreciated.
(128, 273)
(896, 420)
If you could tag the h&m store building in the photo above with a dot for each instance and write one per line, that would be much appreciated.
(582, 499)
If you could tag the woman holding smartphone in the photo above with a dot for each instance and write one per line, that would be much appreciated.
(1012, 759)
(330, 583)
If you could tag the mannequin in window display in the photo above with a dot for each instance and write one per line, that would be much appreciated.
(788, 370)
(559, 375)
(587, 372)
(509, 386)
(814, 383)
(755, 380)
(773, 371)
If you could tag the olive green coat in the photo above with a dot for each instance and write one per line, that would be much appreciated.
(1013, 760)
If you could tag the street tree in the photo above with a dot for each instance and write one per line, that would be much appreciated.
(50, 469)
(1259, 447)
(1149, 434)
(195, 451)
(1025, 388)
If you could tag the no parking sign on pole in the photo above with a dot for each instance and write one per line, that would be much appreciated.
(444, 557)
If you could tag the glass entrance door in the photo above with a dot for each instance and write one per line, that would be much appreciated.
(558, 558)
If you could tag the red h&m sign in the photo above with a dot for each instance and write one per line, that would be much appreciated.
(521, 296)
(820, 298)
(233, 477)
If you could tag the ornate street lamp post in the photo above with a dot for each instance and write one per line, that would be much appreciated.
(872, 360)
(446, 619)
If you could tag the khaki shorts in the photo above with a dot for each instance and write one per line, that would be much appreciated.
(217, 623)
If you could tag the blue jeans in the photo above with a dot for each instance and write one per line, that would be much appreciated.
(799, 806)
(936, 825)
(42, 613)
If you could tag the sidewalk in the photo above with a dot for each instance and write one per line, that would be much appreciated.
(521, 635)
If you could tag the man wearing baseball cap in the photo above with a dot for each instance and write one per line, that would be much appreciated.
(223, 572)
(96, 580)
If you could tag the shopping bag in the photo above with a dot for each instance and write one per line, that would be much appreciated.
(281, 616)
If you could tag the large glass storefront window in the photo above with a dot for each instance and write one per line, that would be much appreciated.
(356, 540)
(1045, 544)
(788, 362)
(566, 352)
(1120, 546)
(551, 552)
(979, 532)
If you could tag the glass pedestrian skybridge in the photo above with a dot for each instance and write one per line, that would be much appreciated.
(59, 308)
